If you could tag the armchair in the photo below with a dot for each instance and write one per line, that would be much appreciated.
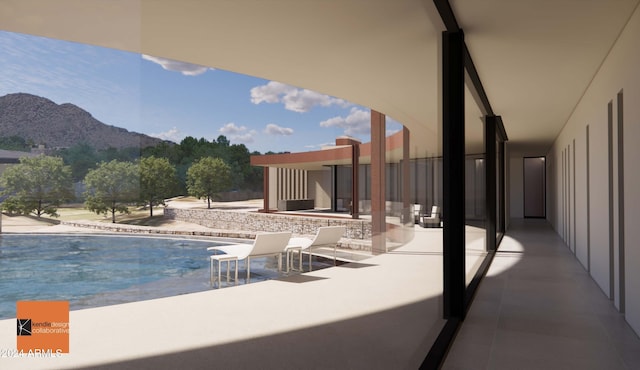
(432, 219)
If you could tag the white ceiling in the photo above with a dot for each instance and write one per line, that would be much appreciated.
(535, 57)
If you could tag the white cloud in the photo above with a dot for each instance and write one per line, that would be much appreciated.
(247, 138)
(186, 69)
(172, 134)
(269, 93)
(238, 134)
(320, 146)
(294, 99)
(231, 128)
(273, 129)
(358, 122)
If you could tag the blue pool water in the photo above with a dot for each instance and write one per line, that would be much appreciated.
(91, 271)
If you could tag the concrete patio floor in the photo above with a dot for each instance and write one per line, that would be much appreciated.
(538, 308)
(382, 312)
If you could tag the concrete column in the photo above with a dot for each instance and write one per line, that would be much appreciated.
(355, 189)
(378, 181)
(265, 189)
(406, 176)
(355, 163)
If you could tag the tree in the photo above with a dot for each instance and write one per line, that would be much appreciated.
(167, 150)
(188, 146)
(122, 154)
(81, 157)
(157, 181)
(190, 149)
(111, 187)
(38, 184)
(207, 177)
(223, 141)
(14, 143)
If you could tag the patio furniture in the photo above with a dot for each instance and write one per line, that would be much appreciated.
(431, 220)
(327, 236)
(295, 204)
(417, 208)
(266, 244)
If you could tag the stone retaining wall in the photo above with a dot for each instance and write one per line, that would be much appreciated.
(270, 222)
(357, 244)
(135, 229)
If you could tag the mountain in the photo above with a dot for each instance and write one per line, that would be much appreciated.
(42, 121)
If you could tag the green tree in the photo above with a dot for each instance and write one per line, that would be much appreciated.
(122, 154)
(188, 146)
(167, 150)
(207, 177)
(81, 157)
(157, 181)
(111, 187)
(223, 141)
(14, 143)
(190, 149)
(38, 184)
(238, 158)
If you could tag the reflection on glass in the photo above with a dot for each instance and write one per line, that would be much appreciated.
(475, 188)
(343, 190)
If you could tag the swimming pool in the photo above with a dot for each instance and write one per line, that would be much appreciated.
(99, 270)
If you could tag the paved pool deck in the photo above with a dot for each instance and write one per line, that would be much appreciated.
(379, 313)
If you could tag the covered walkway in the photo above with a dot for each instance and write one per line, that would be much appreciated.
(537, 308)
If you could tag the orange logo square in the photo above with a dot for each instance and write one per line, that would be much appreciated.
(42, 327)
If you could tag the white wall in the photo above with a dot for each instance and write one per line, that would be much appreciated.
(273, 188)
(593, 245)
(319, 183)
(599, 197)
(581, 230)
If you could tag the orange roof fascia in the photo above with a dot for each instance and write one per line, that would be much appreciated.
(332, 154)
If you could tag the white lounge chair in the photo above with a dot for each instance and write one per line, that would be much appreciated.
(327, 236)
(432, 220)
(417, 209)
(267, 244)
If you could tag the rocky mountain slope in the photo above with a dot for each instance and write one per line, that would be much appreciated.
(42, 121)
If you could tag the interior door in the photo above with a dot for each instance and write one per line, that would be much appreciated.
(534, 187)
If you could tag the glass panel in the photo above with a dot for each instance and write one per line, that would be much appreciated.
(499, 188)
(343, 189)
(475, 187)
(151, 99)
(364, 185)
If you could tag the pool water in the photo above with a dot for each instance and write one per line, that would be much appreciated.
(91, 271)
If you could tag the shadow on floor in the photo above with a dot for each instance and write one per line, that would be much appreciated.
(383, 340)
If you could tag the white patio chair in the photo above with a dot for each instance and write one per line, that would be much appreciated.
(417, 209)
(432, 220)
(327, 236)
(266, 244)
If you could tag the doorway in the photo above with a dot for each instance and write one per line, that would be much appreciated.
(534, 187)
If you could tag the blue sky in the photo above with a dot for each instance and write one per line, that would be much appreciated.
(172, 100)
